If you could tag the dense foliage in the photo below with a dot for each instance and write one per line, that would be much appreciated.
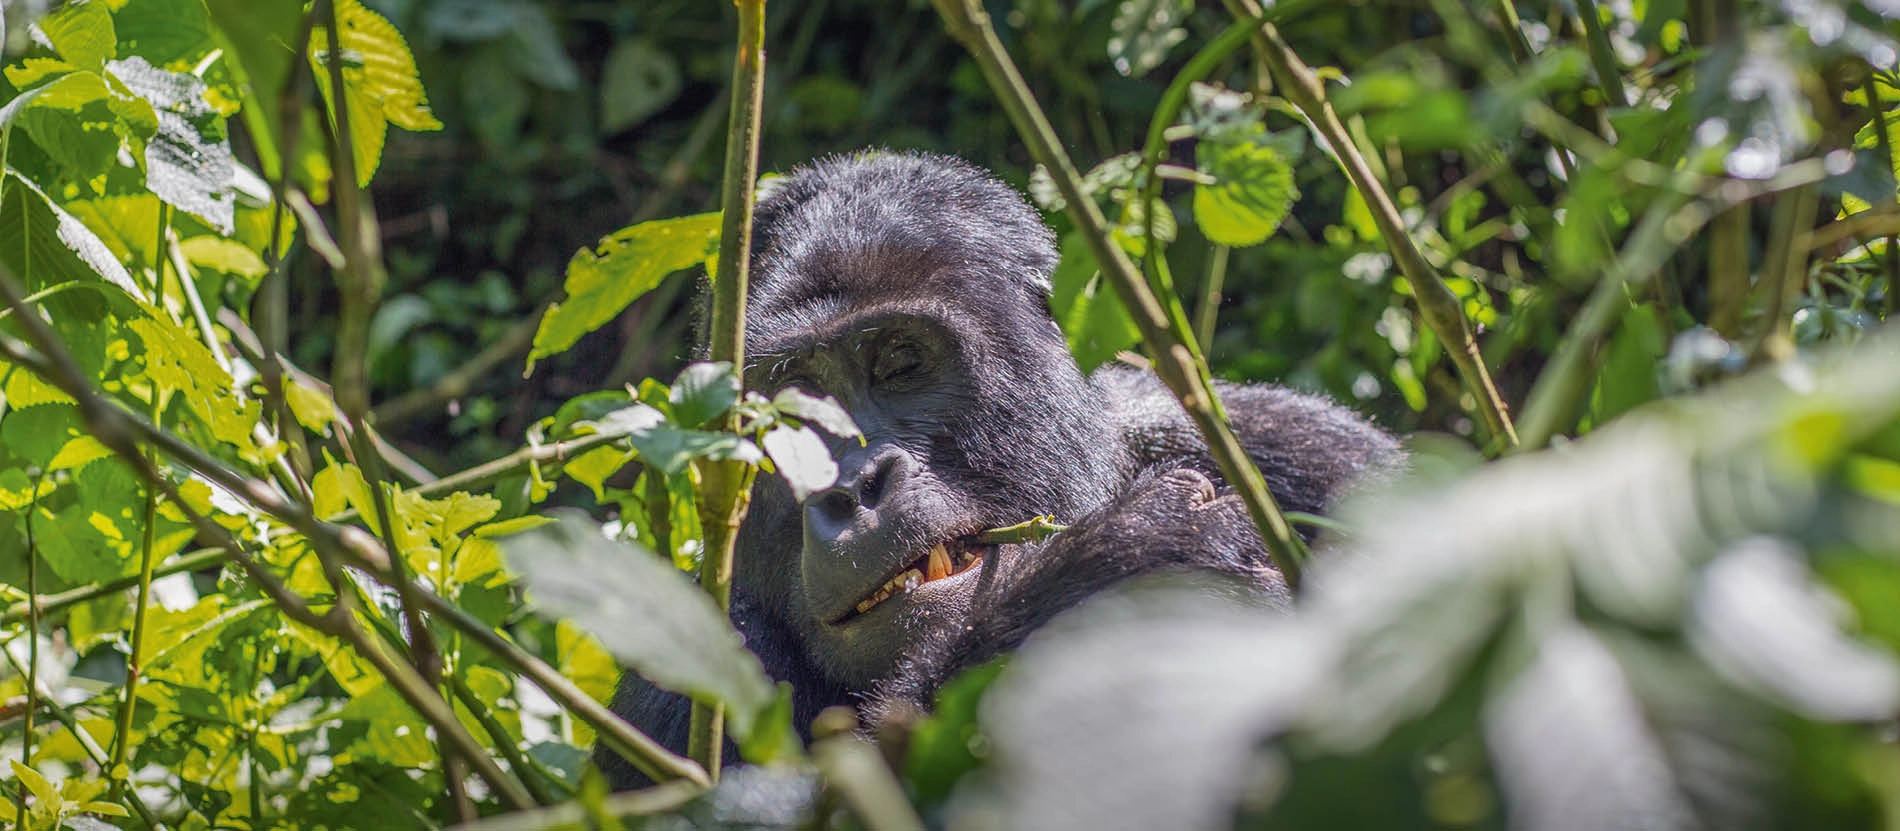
(1621, 586)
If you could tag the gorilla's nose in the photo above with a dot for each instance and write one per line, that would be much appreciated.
(865, 479)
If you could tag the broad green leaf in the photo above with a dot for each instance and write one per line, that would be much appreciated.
(381, 85)
(1252, 192)
(703, 392)
(188, 162)
(78, 453)
(1143, 31)
(391, 732)
(311, 408)
(82, 33)
(824, 412)
(638, 80)
(164, 31)
(670, 448)
(225, 255)
(178, 362)
(651, 616)
(73, 121)
(45, 246)
(1091, 316)
(801, 457)
(341, 485)
(593, 467)
(602, 281)
(127, 224)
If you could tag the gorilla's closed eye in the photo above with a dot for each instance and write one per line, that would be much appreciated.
(897, 362)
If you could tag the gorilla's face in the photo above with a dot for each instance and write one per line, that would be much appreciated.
(921, 311)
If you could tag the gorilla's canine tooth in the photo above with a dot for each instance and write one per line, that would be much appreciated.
(939, 565)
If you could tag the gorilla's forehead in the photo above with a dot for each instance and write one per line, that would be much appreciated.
(855, 232)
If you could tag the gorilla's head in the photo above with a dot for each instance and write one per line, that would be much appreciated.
(914, 289)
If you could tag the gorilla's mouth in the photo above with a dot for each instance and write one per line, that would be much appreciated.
(945, 559)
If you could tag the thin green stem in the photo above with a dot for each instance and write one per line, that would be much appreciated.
(135, 661)
(1211, 284)
(728, 484)
(1154, 151)
(1441, 309)
(1170, 350)
(1884, 141)
(32, 636)
(48, 604)
(499, 735)
(1602, 55)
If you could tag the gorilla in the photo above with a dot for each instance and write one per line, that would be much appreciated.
(914, 289)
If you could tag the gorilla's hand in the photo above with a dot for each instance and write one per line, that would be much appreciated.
(1167, 520)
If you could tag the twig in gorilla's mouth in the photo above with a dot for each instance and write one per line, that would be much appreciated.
(945, 559)
(1034, 529)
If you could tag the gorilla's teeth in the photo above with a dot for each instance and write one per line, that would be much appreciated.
(912, 579)
(939, 565)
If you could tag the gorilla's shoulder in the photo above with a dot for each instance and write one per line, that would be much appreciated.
(1310, 448)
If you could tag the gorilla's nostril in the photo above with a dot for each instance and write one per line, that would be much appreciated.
(835, 504)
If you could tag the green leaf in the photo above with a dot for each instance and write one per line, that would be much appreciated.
(703, 392)
(1143, 31)
(601, 282)
(824, 412)
(651, 616)
(1252, 193)
(226, 255)
(380, 82)
(670, 448)
(45, 246)
(164, 31)
(188, 162)
(311, 408)
(638, 80)
(801, 457)
(82, 33)
(73, 121)
(1091, 316)
(178, 363)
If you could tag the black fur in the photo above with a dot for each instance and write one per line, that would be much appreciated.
(914, 288)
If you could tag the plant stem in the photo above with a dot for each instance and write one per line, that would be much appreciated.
(1171, 351)
(1211, 285)
(728, 484)
(1728, 271)
(1884, 141)
(361, 285)
(1602, 55)
(135, 661)
(1441, 309)
(1783, 270)
(503, 740)
(51, 603)
(32, 638)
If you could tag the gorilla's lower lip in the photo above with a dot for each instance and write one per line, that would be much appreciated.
(942, 561)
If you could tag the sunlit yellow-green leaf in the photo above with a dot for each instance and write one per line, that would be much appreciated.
(603, 280)
(381, 85)
(1252, 191)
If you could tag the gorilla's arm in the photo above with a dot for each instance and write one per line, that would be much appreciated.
(1310, 449)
